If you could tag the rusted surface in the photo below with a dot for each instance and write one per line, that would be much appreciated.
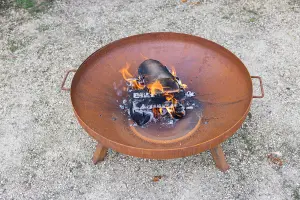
(219, 158)
(221, 81)
(99, 153)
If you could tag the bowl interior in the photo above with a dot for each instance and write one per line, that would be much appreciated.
(220, 80)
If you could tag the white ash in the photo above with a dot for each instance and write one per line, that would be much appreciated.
(119, 93)
(190, 94)
(170, 122)
(152, 118)
(115, 86)
(134, 124)
(122, 106)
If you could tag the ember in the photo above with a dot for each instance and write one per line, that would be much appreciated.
(156, 93)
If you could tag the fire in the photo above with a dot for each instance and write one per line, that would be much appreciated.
(173, 72)
(184, 86)
(157, 87)
(170, 110)
(169, 96)
(129, 78)
(137, 85)
(160, 110)
(125, 73)
(157, 112)
(154, 87)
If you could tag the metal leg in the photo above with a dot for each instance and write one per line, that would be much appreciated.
(219, 158)
(100, 153)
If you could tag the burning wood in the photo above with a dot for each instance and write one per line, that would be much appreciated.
(155, 93)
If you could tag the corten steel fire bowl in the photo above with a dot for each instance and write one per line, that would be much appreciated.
(221, 81)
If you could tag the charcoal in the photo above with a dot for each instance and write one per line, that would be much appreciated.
(151, 70)
(141, 117)
(179, 111)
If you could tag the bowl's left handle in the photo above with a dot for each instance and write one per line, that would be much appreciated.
(65, 78)
(261, 87)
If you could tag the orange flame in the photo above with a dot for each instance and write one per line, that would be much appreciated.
(128, 77)
(125, 73)
(173, 72)
(136, 85)
(169, 96)
(184, 86)
(170, 110)
(157, 112)
(160, 110)
(154, 87)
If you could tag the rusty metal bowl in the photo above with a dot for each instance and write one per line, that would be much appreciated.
(221, 81)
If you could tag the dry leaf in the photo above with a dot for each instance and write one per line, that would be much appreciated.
(275, 160)
(183, 1)
(195, 3)
(156, 178)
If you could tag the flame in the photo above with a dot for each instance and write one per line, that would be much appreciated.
(137, 85)
(129, 78)
(157, 112)
(184, 86)
(154, 87)
(169, 96)
(170, 110)
(160, 110)
(125, 73)
(173, 72)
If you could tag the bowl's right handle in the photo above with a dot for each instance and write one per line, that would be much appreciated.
(65, 78)
(261, 87)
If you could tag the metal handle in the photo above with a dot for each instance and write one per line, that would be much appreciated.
(65, 78)
(261, 87)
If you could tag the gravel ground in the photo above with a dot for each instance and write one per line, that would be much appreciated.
(45, 154)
